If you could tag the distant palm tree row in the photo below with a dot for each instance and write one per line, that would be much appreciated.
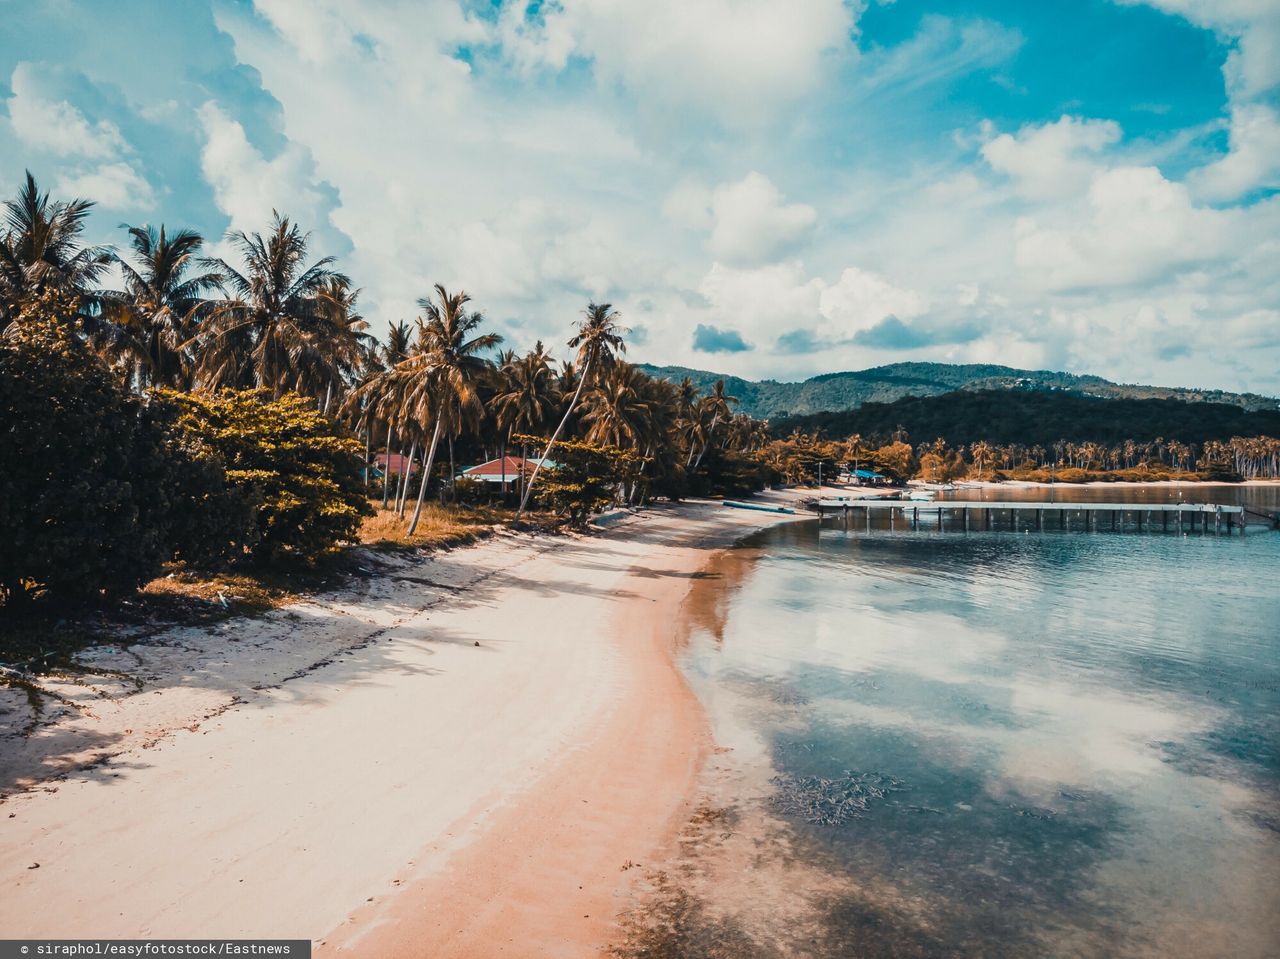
(280, 321)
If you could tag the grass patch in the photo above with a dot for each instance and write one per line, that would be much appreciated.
(442, 527)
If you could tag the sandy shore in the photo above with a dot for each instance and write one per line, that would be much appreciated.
(464, 755)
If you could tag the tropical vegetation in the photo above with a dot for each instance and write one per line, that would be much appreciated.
(174, 406)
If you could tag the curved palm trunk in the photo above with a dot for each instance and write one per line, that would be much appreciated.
(640, 479)
(528, 487)
(715, 420)
(386, 469)
(426, 475)
(402, 497)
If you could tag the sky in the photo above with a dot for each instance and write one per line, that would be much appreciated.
(764, 188)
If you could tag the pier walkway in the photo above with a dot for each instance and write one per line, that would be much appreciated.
(960, 514)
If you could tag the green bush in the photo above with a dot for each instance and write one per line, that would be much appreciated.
(587, 477)
(211, 521)
(304, 474)
(732, 473)
(82, 504)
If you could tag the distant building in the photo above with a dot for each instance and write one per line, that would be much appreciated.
(398, 464)
(870, 478)
(506, 469)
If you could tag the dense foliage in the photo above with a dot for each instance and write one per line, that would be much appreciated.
(294, 465)
(884, 384)
(220, 411)
(585, 476)
(1035, 417)
(82, 497)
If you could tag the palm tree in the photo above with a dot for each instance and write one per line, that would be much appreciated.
(442, 383)
(40, 251)
(616, 411)
(526, 398)
(372, 402)
(598, 341)
(276, 330)
(156, 314)
(716, 403)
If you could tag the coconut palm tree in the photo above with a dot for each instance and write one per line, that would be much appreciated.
(442, 382)
(686, 414)
(526, 398)
(275, 330)
(616, 410)
(156, 314)
(716, 404)
(337, 349)
(598, 341)
(41, 251)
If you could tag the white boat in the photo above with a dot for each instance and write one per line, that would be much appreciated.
(922, 495)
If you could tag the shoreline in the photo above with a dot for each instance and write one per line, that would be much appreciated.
(1035, 484)
(417, 789)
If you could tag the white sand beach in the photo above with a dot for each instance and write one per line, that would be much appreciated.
(462, 755)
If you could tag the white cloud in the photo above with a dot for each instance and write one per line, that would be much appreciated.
(762, 300)
(93, 158)
(737, 59)
(247, 186)
(689, 205)
(1055, 159)
(56, 125)
(1253, 160)
(1137, 227)
(597, 149)
(752, 224)
(944, 47)
(116, 186)
(861, 299)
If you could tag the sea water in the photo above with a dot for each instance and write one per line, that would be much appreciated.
(1004, 743)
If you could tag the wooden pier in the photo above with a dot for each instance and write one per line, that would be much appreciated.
(978, 514)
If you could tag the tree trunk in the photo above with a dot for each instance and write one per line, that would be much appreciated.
(502, 457)
(710, 433)
(453, 477)
(403, 496)
(635, 488)
(386, 472)
(426, 475)
(402, 481)
(367, 431)
(582, 380)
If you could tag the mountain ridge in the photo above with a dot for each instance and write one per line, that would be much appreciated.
(848, 390)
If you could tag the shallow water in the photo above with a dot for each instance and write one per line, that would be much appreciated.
(1010, 743)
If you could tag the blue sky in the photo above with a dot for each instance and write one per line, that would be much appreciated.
(763, 188)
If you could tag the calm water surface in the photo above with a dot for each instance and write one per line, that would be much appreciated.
(1034, 744)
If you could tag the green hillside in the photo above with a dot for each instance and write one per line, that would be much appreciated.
(1033, 417)
(884, 384)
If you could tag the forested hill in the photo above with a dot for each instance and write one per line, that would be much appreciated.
(1035, 417)
(884, 384)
